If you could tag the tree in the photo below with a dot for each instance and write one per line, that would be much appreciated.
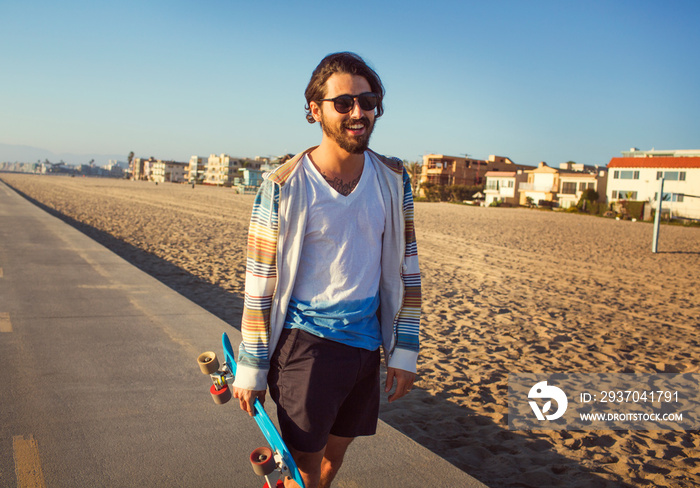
(588, 198)
(414, 169)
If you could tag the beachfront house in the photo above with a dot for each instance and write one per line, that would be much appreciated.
(168, 171)
(439, 169)
(502, 186)
(221, 170)
(140, 168)
(541, 186)
(195, 170)
(637, 176)
(575, 179)
(248, 181)
(561, 187)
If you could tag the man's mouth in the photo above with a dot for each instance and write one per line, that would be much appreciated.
(356, 126)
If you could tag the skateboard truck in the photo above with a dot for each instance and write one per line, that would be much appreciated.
(264, 460)
(209, 364)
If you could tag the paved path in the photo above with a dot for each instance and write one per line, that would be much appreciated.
(100, 385)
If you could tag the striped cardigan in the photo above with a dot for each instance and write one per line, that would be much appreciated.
(275, 238)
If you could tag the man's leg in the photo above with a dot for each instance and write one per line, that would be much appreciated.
(318, 469)
(333, 458)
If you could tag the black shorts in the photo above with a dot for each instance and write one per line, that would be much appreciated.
(323, 387)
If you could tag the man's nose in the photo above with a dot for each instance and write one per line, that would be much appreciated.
(356, 111)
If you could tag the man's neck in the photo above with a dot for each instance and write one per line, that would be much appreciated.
(341, 169)
(331, 159)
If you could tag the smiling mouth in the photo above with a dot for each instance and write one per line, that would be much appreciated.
(356, 125)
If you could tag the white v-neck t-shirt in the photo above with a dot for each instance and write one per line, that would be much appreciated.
(336, 292)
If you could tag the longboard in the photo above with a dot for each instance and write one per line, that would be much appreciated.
(282, 459)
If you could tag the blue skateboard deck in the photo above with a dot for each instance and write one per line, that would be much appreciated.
(264, 422)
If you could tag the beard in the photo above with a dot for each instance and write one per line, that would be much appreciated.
(349, 143)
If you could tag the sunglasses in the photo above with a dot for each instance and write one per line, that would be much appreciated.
(345, 103)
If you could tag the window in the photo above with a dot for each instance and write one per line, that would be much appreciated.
(626, 175)
(624, 195)
(671, 175)
(670, 197)
(568, 187)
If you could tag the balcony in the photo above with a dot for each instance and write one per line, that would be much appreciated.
(534, 187)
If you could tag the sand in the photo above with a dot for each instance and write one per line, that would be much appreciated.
(504, 290)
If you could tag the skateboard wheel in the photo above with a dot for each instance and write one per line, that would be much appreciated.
(263, 461)
(208, 362)
(220, 396)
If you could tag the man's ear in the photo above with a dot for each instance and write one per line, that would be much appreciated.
(315, 109)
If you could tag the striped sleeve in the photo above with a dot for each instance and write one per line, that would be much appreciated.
(408, 321)
(260, 281)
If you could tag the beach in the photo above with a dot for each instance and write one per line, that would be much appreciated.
(504, 290)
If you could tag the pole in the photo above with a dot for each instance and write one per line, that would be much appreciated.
(657, 217)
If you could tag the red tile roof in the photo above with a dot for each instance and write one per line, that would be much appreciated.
(658, 162)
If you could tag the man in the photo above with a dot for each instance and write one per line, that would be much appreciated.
(332, 274)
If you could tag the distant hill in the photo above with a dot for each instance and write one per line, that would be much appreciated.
(13, 153)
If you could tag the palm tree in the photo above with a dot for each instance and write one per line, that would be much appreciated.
(130, 158)
(414, 169)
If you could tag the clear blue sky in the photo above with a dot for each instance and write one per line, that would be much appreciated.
(533, 80)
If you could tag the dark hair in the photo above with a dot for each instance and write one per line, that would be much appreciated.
(345, 62)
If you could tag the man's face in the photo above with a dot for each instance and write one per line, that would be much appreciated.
(350, 131)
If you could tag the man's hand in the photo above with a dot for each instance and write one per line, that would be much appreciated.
(404, 382)
(247, 397)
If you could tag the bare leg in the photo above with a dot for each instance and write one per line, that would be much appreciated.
(309, 464)
(318, 469)
(333, 458)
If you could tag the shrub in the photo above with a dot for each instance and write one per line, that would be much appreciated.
(452, 193)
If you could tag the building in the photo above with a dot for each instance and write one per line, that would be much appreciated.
(221, 170)
(248, 181)
(542, 185)
(637, 176)
(195, 169)
(502, 186)
(140, 168)
(560, 187)
(575, 179)
(444, 170)
(168, 171)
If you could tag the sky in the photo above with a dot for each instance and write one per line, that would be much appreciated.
(535, 81)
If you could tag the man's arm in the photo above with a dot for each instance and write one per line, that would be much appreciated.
(261, 277)
(403, 362)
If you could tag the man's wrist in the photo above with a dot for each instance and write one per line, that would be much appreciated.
(249, 378)
(403, 359)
